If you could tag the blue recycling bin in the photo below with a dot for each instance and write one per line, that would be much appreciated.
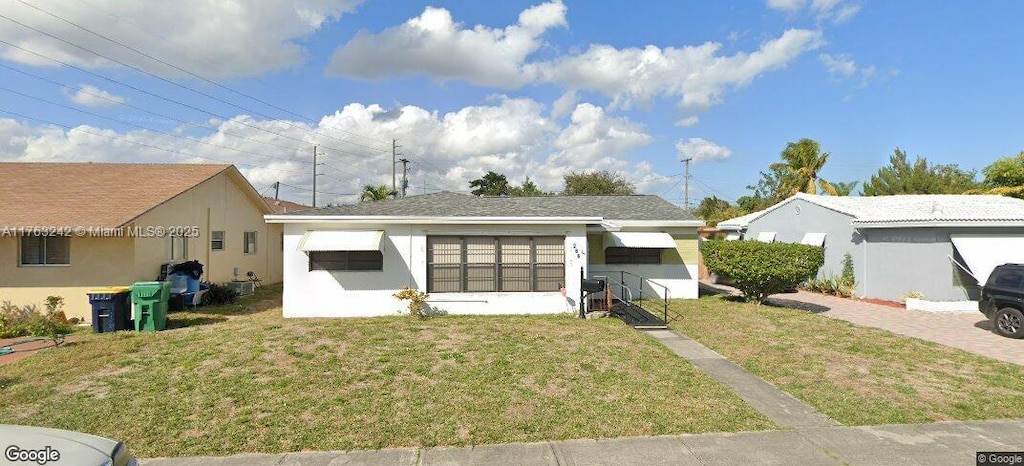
(111, 309)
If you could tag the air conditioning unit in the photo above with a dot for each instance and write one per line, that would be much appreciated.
(243, 288)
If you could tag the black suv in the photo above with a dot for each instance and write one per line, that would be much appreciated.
(1002, 300)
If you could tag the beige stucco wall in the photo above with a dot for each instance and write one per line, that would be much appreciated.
(219, 203)
(95, 262)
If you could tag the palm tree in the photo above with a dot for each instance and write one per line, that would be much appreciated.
(845, 188)
(373, 193)
(802, 161)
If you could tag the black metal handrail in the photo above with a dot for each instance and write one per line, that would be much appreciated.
(642, 280)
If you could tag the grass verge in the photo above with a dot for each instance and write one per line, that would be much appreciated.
(856, 375)
(240, 379)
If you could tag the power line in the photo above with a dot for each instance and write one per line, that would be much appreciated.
(318, 191)
(131, 141)
(149, 112)
(167, 99)
(177, 136)
(196, 75)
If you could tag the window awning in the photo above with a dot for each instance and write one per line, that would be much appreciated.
(984, 252)
(813, 239)
(732, 236)
(766, 236)
(341, 240)
(639, 239)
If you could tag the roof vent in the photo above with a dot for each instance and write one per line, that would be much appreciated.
(936, 210)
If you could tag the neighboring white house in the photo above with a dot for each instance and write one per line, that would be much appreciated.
(482, 254)
(942, 246)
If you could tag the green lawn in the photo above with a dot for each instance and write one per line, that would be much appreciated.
(243, 379)
(856, 375)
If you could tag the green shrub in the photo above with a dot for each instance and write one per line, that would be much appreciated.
(14, 319)
(762, 269)
(848, 270)
(417, 300)
(19, 321)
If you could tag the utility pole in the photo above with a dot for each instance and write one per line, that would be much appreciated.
(405, 175)
(686, 184)
(315, 153)
(277, 190)
(394, 168)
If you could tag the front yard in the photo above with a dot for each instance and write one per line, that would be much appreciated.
(856, 375)
(240, 379)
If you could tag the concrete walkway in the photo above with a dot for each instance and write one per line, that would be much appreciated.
(953, 443)
(782, 408)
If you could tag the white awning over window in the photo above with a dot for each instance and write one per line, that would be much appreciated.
(639, 239)
(984, 252)
(813, 239)
(766, 236)
(341, 240)
(732, 236)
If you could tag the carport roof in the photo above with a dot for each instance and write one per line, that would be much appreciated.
(909, 210)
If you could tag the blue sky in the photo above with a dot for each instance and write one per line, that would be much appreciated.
(524, 88)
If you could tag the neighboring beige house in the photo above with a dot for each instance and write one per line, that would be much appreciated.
(66, 228)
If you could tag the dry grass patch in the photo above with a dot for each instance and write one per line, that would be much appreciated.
(242, 381)
(857, 375)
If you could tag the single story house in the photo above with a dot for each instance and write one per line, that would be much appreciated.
(67, 228)
(483, 254)
(943, 246)
(281, 206)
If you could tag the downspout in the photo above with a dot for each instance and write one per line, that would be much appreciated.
(865, 245)
(412, 276)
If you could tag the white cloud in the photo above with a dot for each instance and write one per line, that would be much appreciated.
(564, 104)
(88, 95)
(702, 150)
(836, 11)
(842, 67)
(436, 45)
(697, 75)
(214, 38)
(509, 135)
(786, 5)
(688, 121)
(839, 65)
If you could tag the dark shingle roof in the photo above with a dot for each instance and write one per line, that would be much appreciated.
(447, 204)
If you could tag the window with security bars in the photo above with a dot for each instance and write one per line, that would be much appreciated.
(632, 256)
(352, 261)
(495, 263)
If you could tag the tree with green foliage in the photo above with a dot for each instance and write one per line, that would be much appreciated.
(528, 188)
(597, 183)
(767, 192)
(373, 193)
(759, 269)
(713, 210)
(1005, 172)
(844, 188)
(491, 184)
(802, 161)
(903, 177)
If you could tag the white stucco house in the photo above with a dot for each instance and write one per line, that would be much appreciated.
(482, 254)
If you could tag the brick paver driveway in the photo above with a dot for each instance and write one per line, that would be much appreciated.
(967, 331)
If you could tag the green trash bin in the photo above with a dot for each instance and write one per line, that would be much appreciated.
(149, 305)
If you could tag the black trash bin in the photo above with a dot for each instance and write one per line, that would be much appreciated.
(111, 309)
